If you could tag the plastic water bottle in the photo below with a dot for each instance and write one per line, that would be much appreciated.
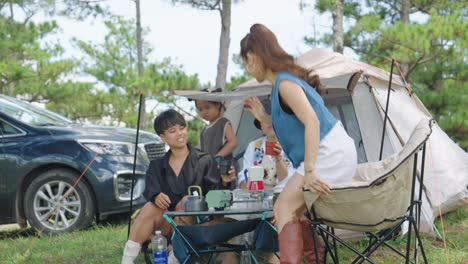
(265, 202)
(159, 244)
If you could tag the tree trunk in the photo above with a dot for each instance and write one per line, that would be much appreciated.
(10, 89)
(404, 16)
(405, 11)
(143, 117)
(12, 16)
(338, 31)
(225, 13)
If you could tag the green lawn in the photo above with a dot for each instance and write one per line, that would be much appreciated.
(103, 243)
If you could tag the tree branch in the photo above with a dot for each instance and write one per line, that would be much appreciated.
(393, 5)
(188, 113)
(420, 6)
(204, 4)
(96, 1)
(413, 67)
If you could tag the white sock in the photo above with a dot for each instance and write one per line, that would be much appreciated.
(131, 251)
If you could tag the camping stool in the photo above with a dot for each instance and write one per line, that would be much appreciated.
(383, 196)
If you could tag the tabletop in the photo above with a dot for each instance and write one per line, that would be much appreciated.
(227, 211)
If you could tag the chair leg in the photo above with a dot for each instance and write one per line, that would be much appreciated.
(148, 254)
(309, 244)
(420, 245)
(290, 242)
(334, 255)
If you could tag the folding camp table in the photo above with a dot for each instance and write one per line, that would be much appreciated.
(192, 241)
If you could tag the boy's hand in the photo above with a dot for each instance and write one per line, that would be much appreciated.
(162, 201)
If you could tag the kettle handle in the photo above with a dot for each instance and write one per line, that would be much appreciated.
(194, 187)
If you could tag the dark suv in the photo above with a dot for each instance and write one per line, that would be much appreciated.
(42, 154)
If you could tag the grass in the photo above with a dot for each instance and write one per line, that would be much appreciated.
(103, 243)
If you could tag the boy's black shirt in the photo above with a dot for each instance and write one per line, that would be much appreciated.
(199, 168)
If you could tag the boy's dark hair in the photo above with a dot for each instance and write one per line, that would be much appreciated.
(168, 119)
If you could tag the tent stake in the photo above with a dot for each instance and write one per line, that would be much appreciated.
(386, 110)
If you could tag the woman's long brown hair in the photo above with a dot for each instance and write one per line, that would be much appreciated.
(262, 42)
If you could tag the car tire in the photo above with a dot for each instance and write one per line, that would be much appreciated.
(49, 208)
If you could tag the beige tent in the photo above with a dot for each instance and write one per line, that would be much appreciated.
(357, 94)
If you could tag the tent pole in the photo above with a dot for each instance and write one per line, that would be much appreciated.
(386, 110)
(134, 165)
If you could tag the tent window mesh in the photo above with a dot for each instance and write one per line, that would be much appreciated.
(342, 108)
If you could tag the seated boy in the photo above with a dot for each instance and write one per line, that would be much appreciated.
(167, 180)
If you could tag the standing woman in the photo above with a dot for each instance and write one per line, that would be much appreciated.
(314, 141)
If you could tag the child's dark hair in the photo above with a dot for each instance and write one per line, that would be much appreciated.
(168, 119)
(221, 106)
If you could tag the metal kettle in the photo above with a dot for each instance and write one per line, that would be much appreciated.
(195, 203)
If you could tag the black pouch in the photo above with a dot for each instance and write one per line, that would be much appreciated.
(266, 237)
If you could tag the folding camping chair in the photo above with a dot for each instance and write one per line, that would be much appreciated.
(383, 196)
(190, 242)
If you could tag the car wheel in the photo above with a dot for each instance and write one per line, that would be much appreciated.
(52, 205)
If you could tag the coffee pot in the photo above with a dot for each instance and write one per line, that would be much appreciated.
(195, 203)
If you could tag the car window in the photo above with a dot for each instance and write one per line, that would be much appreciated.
(30, 114)
(7, 130)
